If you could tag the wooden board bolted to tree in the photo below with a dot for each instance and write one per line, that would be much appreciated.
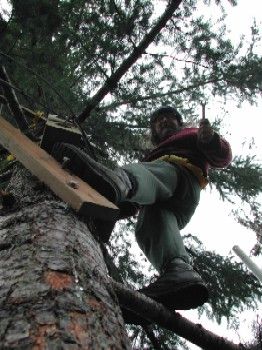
(70, 188)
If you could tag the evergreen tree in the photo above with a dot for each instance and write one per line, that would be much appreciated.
(59, 53)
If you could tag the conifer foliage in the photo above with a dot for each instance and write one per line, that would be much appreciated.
(59, 53)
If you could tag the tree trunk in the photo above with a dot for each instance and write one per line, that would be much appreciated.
(54, 287)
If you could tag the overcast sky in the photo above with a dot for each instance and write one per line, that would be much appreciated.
(241, 125)
(213, 222)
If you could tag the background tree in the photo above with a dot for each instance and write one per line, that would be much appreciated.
(59, 53)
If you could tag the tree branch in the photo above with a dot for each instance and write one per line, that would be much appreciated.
(112, 81)
(173, 321)
(114, 273)
(176, 59)
(26, 96)
(49, 84)
(159, 94)
(12, 101)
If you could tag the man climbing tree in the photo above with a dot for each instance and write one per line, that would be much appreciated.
(90, 40)
(166, 187)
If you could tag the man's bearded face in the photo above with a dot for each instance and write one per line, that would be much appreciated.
(166, 125)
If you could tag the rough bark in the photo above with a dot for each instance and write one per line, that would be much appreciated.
(54, 289)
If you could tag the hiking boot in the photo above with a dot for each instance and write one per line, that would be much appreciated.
(178, 288)
(115, 185)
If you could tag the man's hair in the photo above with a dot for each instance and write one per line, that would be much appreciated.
(157, 113)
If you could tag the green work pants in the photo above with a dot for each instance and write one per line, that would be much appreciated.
(168, 195)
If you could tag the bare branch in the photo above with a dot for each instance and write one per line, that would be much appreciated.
(112, 81)
(21, 92)
(159, 94)
(173, 321)
(12, 101)
(50, 85)
(176, 59)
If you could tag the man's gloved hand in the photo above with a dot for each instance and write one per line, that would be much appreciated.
(205, 131)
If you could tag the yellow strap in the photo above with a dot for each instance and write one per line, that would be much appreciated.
(10, 158)
(185, 162)
(36, 116)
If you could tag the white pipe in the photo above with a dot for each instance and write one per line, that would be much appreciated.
(248, 262)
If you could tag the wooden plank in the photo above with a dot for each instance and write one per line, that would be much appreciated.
(83, 198)
(59, 130)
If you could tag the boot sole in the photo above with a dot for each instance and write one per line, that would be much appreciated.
(86, 168)
(184, 297)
